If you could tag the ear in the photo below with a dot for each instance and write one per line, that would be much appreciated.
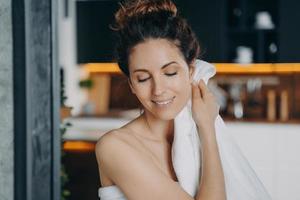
(192, 70)
(130, 85)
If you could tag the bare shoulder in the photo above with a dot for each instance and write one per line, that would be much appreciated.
(108, 148)
(117, 140)
(109, 142)
(111, 136)
(119, 135)
(134, 173)
(113, 140)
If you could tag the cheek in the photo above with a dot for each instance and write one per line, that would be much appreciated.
(183, 88)
(182, 83)
(142, 91)
(186, 90)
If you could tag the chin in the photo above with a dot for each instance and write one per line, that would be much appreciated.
(168, 114)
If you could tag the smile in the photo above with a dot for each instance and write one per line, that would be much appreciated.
(164, 102)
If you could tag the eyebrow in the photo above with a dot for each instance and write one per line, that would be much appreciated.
(164, 66)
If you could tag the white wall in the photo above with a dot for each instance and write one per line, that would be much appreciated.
(68, 58)
(272, 149)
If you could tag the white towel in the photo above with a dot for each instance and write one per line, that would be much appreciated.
(241, 181)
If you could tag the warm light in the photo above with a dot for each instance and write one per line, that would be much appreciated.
(102, 67)
(78, 146)
(222, 68)
(288, 67)
(260, 68)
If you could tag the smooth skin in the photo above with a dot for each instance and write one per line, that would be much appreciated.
(137, 156)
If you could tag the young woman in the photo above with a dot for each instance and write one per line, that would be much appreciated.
(157, 51)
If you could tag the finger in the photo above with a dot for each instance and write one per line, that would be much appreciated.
(203, 88)
(195, 91)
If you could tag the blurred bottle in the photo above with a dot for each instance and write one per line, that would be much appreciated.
(284, 106)
(271, 105)
(264, 20)
(244, 55)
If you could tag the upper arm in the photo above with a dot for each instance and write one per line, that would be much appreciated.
(135, 175)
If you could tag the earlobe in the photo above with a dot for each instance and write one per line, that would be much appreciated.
(192, 72)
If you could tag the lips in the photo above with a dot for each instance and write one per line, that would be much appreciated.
(163, 102)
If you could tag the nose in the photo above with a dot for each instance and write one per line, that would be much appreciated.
(158, 87)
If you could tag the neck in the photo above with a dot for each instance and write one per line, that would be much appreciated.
(160, 130)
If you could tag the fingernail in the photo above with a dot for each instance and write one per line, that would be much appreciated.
(194, 83)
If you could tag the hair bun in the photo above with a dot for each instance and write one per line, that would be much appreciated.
(133, 8)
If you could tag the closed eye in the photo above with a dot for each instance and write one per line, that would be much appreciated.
(143, 80)
(171, 74)
(167, 74)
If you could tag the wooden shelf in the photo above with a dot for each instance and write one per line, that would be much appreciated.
(222, 68)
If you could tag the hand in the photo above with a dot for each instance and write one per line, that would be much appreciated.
(204, 105)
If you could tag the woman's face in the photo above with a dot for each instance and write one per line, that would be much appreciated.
(160, 77)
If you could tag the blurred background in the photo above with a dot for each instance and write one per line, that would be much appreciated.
(56, 57)
(256, 50)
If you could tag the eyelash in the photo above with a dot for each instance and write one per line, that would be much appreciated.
(172, 74)
(143, 80)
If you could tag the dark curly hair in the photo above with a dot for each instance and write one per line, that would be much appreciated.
(139, 20)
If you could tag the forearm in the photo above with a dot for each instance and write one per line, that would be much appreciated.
(212, 185)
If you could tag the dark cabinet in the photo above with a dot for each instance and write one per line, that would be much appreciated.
(289, 36)
(269, 29)
(228, 30)
(207, 20)
(94, 37)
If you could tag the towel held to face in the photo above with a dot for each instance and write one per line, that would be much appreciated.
(241, 181)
